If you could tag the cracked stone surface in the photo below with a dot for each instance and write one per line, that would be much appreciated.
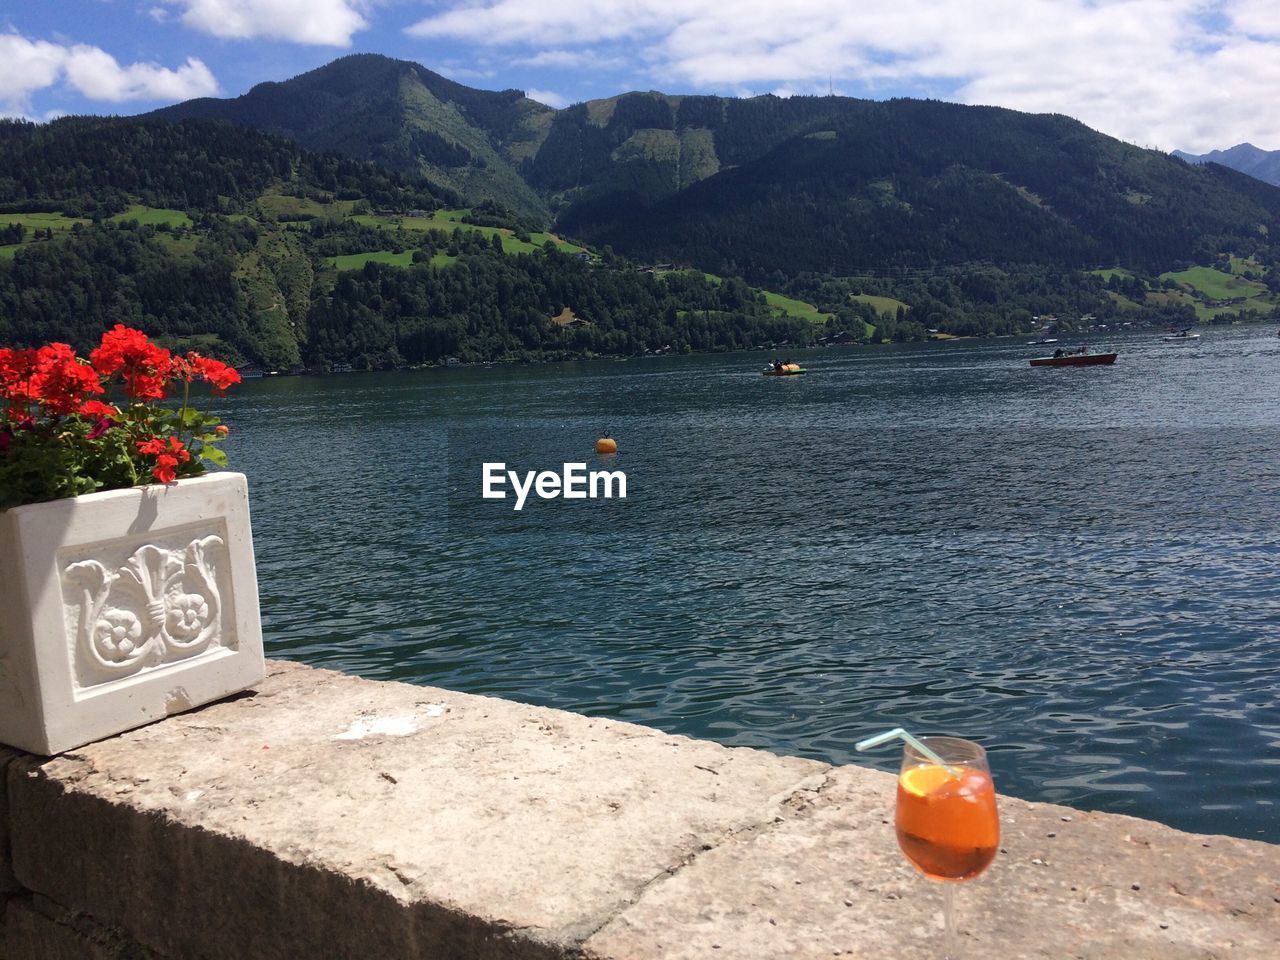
(378, 816)
(829, 881)
(328, 816)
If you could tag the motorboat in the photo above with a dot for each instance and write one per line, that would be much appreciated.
(1077, 360)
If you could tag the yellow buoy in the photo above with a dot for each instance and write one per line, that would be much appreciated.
(606, 445)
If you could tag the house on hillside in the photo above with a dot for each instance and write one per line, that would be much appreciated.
(567, 319)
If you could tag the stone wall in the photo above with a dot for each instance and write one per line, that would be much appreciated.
(326, 816)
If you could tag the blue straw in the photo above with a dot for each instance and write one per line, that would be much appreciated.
(897, 733)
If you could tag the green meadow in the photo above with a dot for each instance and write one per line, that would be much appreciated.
(885, 306)
(1215, 284)
(354, 261)
(1110, 272)
(57, 222)
(449, 220)
(153, 217)
(796, 308)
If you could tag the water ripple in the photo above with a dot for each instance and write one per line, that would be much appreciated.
(1077, 570)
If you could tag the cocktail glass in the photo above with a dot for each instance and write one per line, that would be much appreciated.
(946, 817)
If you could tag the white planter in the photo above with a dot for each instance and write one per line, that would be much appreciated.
(123, 607)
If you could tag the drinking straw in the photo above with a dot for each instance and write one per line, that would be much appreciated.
(899, 733)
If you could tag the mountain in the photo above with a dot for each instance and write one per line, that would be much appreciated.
(245, 246)
(908, 183)
(1245, 157)
(400, 115)
(772, 185)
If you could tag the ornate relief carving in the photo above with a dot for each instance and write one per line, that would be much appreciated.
(161, 605)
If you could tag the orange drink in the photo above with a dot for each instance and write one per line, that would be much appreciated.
(946, 819)
(947, 825)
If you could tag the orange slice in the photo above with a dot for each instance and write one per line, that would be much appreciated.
(924, 780)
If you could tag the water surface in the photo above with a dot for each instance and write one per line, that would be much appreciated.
(1077, 567)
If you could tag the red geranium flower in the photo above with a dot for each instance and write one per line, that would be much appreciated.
(216, 372)
(145, 367)
(61, 382)
(39, 388)
(96, 408)
(166, 468)
(17, 369)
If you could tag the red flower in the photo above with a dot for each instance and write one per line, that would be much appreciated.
(178, 448)
(17, 369)
(222, 430)
(146, 368)
(216, 372)
(61, 382)
(168, 456)
(96, 408)
(166, 468)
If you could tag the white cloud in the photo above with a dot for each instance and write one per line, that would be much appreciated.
(574, 59)
(27, 66)
(1196, 74)
(550, 98)
(322, 22)
(1257, 18)
(97, 75)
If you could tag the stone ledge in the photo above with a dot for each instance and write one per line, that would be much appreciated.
(328, 816)
(829, 881)
(333, 816)
(8, 883)
(38, 929)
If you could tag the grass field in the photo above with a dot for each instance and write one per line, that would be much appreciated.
(788, 305)
(59, 224)
(449, 220)
(796, 308)
(181, 246)
(1121, 301)
(41, 221)
(297, 207)
(153, 216)
(885, 306)
(1215, 284)
(1240, 265)
(1111, 272)
(354, 261)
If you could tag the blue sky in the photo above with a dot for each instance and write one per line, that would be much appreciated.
(1194, 74)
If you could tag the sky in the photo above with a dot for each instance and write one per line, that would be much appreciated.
(1190, 74)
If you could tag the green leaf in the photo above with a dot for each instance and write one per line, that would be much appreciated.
(214, 456)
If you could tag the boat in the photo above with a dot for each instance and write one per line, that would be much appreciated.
(1182, 337)
(1036, 343)
(784, 370)
(1075, 360)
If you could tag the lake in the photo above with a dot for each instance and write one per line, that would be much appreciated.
(1078, 567)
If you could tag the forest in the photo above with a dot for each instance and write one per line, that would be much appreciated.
(255, 250)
